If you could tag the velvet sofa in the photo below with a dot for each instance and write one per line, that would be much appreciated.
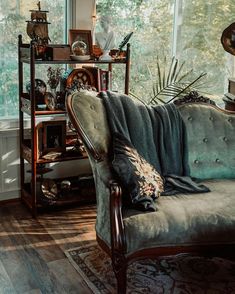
(183, 222)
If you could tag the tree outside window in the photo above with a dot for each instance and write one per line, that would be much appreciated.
(13, 16)
(188, 30)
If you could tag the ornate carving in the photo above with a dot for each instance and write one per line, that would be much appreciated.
(193, 97)
(118, 240)
(119, 261)
(77, 86)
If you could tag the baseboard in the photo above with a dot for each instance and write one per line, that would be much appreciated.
(9, 201)
(9, 195)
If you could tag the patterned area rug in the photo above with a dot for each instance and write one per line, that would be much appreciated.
(181, 274)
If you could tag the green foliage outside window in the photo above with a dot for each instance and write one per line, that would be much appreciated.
(12, 23)
(198, 28)
(152, 22)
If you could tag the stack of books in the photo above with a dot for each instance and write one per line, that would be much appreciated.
(229, 97)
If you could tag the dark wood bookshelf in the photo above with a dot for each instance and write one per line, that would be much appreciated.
(29, 142)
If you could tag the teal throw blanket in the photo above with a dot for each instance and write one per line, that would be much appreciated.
(159, 135)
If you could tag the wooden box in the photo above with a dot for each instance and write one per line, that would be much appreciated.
(57, 52)
(51, 137)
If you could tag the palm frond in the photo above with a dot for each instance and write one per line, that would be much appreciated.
(170, 69)
(174, 72)
(170, 83)
(187, 87)
(159, 74)
(179, 70)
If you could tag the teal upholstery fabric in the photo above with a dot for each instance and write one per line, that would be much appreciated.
(181, 219)
(91, 115)
(185, 219)
(211, 141)
(89, 111)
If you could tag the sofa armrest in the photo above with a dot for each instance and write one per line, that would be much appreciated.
(118, 240)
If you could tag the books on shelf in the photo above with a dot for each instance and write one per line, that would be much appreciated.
(105, 80)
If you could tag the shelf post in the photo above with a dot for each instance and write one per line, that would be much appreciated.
(21, 116)
(33, 134)
(127, 76)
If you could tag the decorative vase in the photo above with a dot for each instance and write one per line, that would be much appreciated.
(105, 56)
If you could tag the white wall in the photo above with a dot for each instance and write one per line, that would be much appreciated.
(9, 166)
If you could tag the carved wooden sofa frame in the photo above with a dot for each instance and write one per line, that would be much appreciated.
(85, 108)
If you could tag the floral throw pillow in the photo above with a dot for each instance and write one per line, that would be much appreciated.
(139, 178)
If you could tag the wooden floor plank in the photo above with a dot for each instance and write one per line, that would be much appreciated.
(67, 277)
(32, 258)
(14, 262)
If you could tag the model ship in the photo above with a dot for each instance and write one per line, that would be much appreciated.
(37, 28)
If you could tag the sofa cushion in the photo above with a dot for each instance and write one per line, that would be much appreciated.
(141, 181)
(211, 140)
(185, 219)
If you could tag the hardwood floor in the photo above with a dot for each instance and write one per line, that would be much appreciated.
(32, 256)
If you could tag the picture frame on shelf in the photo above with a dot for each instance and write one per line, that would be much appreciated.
(83, 51)
(54, 136)
(51, 137)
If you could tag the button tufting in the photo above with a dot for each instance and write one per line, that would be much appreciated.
(211, 118)
(230, 120)
(96, 127)
(92, 107)
(217, 160)
(205, 140)
(225, 139)
(190, 118)
(196, 161)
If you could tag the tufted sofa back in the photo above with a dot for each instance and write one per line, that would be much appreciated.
(211, 140)
(89, 112)
(211, 134)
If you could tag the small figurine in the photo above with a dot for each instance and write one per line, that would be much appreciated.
(37, 30)
(106, 38)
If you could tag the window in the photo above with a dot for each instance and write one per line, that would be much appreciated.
(152, 22)
(199, 27)
(12, 23)
(188, 30)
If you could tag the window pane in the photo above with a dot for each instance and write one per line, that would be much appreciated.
(152, 24)
(12, 23)
(200, 25)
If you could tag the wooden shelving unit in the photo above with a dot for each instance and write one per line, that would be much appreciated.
(29, 145)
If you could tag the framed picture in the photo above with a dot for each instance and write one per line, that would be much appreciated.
(54, 136)
(51, 137)
(85, 37)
